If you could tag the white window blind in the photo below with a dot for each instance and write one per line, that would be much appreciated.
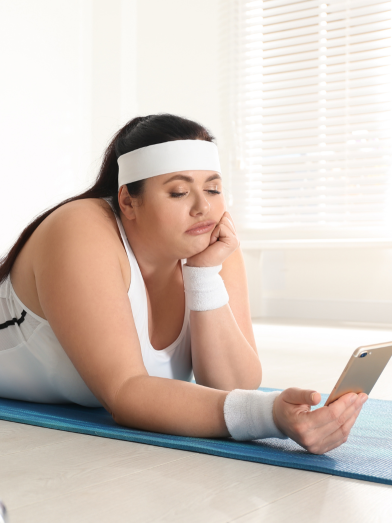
(310, 92)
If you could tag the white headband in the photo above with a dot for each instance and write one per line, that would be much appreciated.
(167, 157)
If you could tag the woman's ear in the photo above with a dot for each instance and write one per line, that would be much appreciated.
(126, 203)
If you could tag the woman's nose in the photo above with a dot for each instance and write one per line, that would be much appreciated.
(201, 204)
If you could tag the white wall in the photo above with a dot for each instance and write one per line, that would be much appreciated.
(113, 89)
(44, 108)
(178, 60)
(340, 284)
(68, 83)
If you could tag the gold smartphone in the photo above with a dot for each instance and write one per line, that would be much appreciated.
(362, 370)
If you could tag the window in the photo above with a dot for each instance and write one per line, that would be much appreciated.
(308, 89)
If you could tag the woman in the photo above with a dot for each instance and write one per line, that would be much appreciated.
(93, 308)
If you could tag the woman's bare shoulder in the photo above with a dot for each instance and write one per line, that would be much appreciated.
(87, 209)
(88, 219)
(77, 217)
(72, 219)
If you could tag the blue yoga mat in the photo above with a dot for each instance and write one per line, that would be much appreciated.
(367, 454)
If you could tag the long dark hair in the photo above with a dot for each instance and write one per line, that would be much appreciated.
(138, 132)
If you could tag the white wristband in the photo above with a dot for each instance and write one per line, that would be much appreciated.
(204, 288)
(248, 415)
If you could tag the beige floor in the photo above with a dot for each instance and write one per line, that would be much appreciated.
(54, 476)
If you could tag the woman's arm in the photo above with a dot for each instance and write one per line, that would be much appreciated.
(222, 357)
(170, 406)
(186, 409)
(224, 352)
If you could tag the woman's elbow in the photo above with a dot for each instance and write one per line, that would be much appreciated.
(253, 380)
(250, 381)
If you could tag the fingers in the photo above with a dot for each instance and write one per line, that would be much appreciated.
(332, 434)
(215, 234)
(297, 396)
(227, 220)
(322, 429)
(213, 239)
(338, 412)
(230, 219)
(338, 437)
(225, 232)
(229, 224)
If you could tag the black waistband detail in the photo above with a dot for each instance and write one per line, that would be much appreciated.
(14, 321)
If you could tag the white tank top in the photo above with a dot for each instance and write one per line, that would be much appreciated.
(35, 367)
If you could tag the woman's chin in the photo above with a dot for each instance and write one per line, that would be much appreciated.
(201, 247)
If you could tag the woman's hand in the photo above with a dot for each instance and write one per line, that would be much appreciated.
(223, 242)
(320, 430)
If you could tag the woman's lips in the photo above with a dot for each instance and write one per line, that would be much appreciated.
(201, 230)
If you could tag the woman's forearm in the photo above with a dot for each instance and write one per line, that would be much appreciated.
(171, 407)
(221, 356)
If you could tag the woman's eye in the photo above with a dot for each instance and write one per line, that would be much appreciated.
(179, 194)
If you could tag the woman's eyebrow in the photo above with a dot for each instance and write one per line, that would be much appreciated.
(190, 179)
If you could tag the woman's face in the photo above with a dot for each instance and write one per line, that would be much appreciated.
(172, 204)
